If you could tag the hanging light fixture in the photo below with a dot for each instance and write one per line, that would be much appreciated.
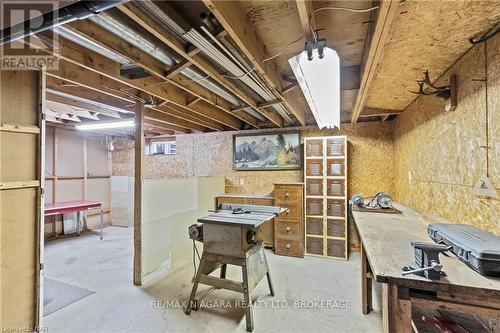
(318, 73)
(106, 125)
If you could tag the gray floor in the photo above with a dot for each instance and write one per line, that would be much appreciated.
(118, 306)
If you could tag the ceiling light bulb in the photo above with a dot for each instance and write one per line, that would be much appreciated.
(319, 80)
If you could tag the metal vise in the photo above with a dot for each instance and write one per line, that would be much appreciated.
(427, 260)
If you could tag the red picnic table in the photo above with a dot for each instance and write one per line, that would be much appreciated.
(77, 206)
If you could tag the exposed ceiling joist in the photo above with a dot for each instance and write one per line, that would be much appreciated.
(113, 84)
(105, 73)
(51, 96)
(381, 34)
(147, 62)
(233, 18)
(105, 86)
(77, 93)
(305, 8)
(167, 118)
(168, 39)
(165, 126)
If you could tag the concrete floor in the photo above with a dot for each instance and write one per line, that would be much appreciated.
(117, 306)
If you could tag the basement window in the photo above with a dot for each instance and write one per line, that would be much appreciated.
(163, 147)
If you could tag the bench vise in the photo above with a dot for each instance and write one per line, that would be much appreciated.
(427, 260)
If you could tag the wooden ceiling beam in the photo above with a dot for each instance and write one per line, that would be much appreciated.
(147, 62)
(83, 105)
(102, 85)
(178, 112)
(152, 113)
(381, 34)
(206, 109)
(373, 112)
(166, 126)
(196, 60)
(90, 96)
(116, 86)
(305, 8)
(233, 18)
(104, 74)
(178, 68)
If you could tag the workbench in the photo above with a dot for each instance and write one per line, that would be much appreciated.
(77, 206)
(386, 248)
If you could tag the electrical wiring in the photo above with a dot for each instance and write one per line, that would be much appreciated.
(264, 60)
(365, 10)
(283, 50)
(353, 10)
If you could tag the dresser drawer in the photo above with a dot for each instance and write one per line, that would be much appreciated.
(288, 247)
(288, 230)
(294, 213)
(284, 194)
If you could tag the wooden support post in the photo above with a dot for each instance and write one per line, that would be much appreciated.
(84, 180)
(396, 309)
(366, 283)
(41, 197)
(139, 177)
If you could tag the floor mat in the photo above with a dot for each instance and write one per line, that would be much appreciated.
(58, 295)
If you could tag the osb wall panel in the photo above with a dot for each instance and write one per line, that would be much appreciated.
(370, 155)
(439, 156)
(18, 207)
(426, 35)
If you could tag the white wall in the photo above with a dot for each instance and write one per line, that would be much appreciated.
(169, 208)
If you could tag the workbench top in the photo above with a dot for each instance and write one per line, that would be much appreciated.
(246, 195)
(386, 240)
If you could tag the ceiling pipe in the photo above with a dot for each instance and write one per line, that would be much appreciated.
(76, 11)
(115, 26)
(236, 68)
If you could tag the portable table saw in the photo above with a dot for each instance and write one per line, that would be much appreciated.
(231, 237)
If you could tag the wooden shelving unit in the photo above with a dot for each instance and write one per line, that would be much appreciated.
(325, 192)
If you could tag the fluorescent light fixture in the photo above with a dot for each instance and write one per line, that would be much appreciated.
(106, 125)
(319, 80)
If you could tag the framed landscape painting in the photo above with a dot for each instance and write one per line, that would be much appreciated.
(267, 151)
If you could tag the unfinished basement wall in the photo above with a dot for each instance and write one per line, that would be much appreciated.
(170, 206)
(370, 161)
(77, 167)
(440, 155)
(20, 195)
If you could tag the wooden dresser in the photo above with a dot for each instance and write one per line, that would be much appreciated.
(289, 227)
(267, 230)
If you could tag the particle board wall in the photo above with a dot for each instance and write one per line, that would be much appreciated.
(77, 167)
(370, 152)
(19, 215)
(439, 156)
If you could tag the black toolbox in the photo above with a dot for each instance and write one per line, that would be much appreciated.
(477, 248)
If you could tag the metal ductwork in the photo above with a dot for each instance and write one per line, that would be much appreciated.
(238, 68)
(115, 26)
(77, 11)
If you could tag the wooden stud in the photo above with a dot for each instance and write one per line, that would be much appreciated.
(178, 68)
(19, 128)
(233, 18)
(305, 8)
(168, 39)
(154, 66)
(381, 34)
(138, 180)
